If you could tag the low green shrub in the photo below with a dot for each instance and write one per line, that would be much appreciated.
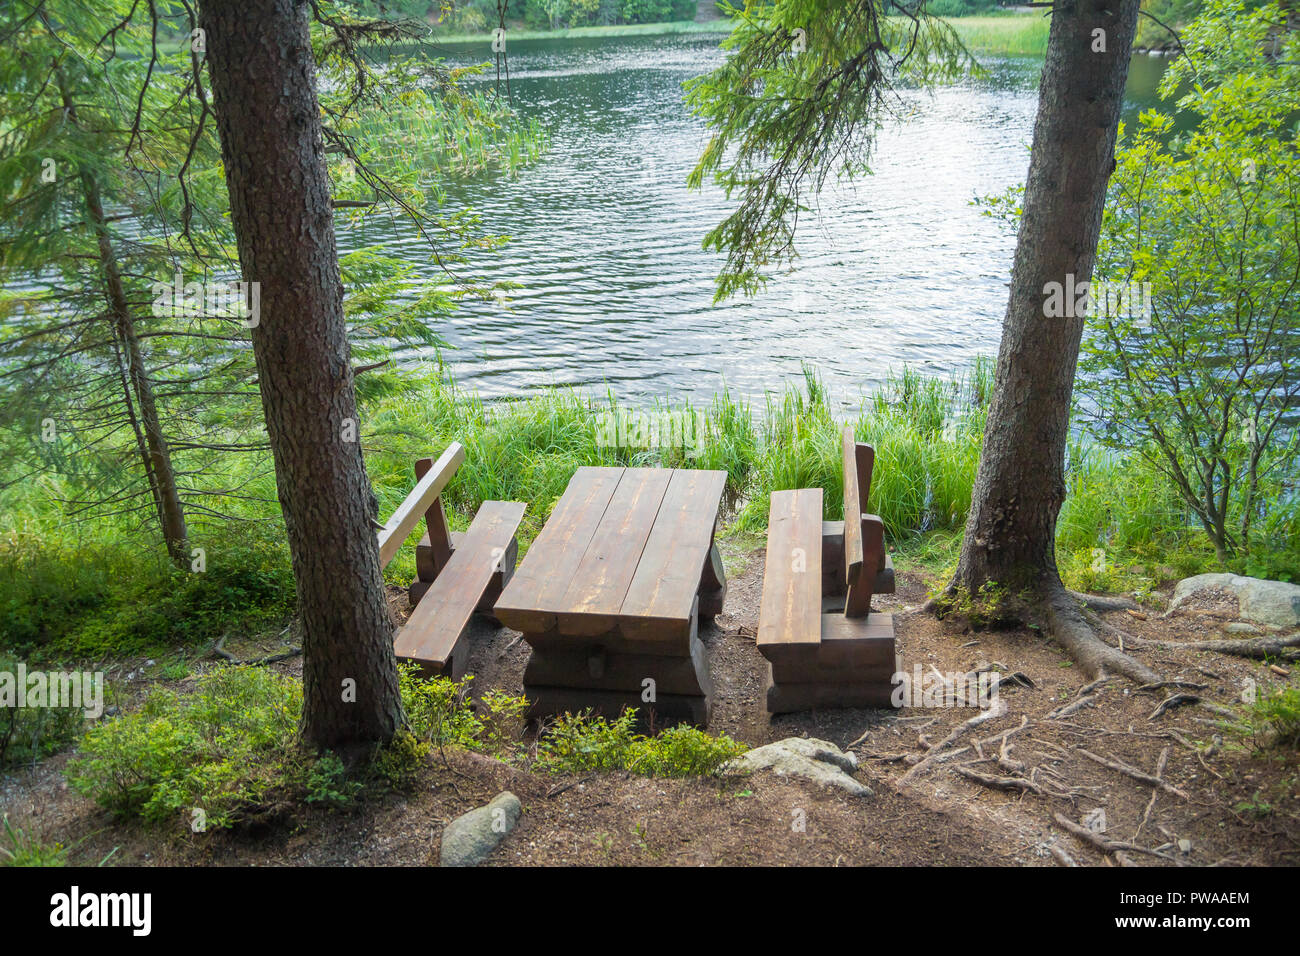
(1272, 721)
(582, 742)
(28, 734)
(221, 750)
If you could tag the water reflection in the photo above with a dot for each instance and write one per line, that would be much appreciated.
(897, 268)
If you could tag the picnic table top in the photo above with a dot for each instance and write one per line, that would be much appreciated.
(623, 546)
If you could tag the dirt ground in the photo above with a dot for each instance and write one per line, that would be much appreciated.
(1215, 802)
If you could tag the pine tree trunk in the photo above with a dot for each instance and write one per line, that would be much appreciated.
(1010, 537)
(1020, 485)
(264, 87)
(152, 443)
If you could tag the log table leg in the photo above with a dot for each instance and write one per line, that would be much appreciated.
(608, 673)
(713, 584)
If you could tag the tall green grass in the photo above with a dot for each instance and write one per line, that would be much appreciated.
(86, 587)
(926, 433)
(1005, 35)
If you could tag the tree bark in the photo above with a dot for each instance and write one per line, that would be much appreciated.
(155, 456)
(264, 87)
(1010, 534)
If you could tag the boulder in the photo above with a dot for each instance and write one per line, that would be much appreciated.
(807, 757)
(469, 839)
(1265, 602)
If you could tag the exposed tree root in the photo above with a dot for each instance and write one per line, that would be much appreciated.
(1254, 647)
(1101, 604)
(1071, 619)
(1109, 846)
(1072, 631)
(932, 754)
(1134, 772)
(1013, 784)
(1174, 700)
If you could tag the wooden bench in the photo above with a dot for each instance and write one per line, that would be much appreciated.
(824, 645)
(457, 573)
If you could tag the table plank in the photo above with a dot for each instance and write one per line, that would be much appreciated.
(593, 600)
(533, 595)
(663, 590)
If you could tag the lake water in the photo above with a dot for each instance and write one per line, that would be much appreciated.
(895, 269)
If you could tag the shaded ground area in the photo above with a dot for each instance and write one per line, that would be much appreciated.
(936, 778)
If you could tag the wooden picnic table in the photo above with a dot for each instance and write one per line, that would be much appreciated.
(610, 594)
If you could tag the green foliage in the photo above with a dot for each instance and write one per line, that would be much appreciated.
(25, 850)
(88, 599)
(798, 99)
(1205, 388)
(29, 734)
(224, 750)
(565, 14)
(328, 784)
(575, 743)
(439, 712)
(926, 434)
(958, 8)
(93, 113)
(986, 607)
(397, 764)
(1008, 34)
(1153, 30)
(1272, 721)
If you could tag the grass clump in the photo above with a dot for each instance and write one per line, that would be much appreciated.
(22, 849)
(1006, 35)
(583, 742)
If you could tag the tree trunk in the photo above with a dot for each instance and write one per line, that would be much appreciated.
(1011, 530)
(155, 456)
(264, 85)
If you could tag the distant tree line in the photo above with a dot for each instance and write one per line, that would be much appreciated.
(472, 16)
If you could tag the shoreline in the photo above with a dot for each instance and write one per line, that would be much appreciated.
(1009, 34)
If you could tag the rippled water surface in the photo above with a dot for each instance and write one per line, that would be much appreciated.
(897, 268)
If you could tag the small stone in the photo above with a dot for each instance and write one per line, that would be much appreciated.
(1241, 627)
(816, 760)
(471, 838)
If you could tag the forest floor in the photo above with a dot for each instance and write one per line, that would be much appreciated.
(1217, 802)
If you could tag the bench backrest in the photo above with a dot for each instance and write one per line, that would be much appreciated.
(864, 534)
(424, 501)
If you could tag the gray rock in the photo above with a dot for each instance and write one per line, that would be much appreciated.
(1276, 603)
(1241, 627)
(469, 839)
(806, 757)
